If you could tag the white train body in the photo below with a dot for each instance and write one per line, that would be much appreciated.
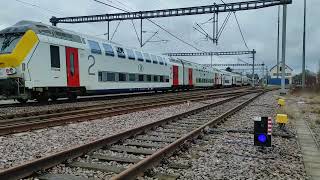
(38, 61)
(227, 79)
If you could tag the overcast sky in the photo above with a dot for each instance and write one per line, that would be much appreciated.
(259, 27)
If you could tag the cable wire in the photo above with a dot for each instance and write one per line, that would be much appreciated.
(110, 5)
(224, 24)
(135, 30)
(115, 30)
(244, 41)
(39, 7)
(160, 26)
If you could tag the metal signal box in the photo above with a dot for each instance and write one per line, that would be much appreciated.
(262, 131)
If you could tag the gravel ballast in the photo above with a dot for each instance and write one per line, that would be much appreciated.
(62, 169)
(18, 148)
(227, 155)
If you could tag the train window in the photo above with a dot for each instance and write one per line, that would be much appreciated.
(167, 78)
(149, 78)
(154, 59)
(161, 78)
(120, 52)
(139, 56)
(108, 49)
(160, 60)
(122, 77)
(72, 70)
(132, 77)
(83, 41)
(111, 76)
(141, 77)
(55, 56)
(155, 78)
(95, 47)
(131, 54)
(46, 32)
(100, 76)
(147, 57)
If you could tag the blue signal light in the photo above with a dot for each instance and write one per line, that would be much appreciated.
(262, 138)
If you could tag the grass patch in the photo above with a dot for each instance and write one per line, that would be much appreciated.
(291, 112)
(315, 110)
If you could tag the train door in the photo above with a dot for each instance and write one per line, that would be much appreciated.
(72, 62)
(190, 77)
(216, 79)
(175, 70)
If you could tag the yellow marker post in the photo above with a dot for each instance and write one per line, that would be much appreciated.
(281, 102)
(282, 119)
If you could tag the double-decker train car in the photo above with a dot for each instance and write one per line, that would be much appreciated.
(39, 61)
(227, 78)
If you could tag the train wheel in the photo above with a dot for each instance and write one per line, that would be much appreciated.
(72, 96)
(53, 98)
(42, 99)
(21, 100)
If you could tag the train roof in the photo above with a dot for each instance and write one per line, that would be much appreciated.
(48, 30)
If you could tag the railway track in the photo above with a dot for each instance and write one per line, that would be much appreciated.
(150, 144)
(29, 121)
(107, 97)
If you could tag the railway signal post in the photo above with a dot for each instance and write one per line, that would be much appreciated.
(262, 131)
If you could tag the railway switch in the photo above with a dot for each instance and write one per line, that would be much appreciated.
(262, 131)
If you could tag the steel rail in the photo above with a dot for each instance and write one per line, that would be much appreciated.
(103, 97)
(133, 171)
(44, 121)
(127, 101)
(29, 168)
(112, 105)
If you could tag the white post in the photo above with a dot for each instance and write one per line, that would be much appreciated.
(304, 47)
(284, 39)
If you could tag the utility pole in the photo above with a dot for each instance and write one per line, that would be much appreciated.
(108, 29)
(278, 43)
(141, 42)
(284, 39)
(304, 47)
(253, 59)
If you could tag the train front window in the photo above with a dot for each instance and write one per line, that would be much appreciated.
(8, 42)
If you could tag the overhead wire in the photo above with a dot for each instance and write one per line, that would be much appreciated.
(135, 30)
(110, 5)
(156, 24)
(115, 30)
(243, 39)
(39, 7)
(224, 24)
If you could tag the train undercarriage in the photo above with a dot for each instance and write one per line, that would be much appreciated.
(13, 88)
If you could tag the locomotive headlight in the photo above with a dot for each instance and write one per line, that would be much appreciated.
(11, 71)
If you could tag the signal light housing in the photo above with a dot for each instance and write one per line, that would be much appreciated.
(262, 131)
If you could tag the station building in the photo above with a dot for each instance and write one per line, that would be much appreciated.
(275, 79)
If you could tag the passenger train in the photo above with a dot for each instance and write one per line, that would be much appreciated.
(38, 61)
